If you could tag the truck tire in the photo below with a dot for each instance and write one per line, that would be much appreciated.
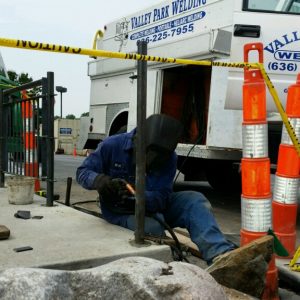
(122, 129)
(223, 175)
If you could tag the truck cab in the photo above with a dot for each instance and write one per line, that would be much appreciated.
(207, 100)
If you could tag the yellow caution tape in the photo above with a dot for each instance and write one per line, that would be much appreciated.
(30, 45)
(280, 108)
(293, 265)
(41, 193)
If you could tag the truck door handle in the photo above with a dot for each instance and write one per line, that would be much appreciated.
(252, 31)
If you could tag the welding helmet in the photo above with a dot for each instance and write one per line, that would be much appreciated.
(162, 136)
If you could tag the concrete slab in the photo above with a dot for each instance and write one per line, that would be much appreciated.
(65, 238)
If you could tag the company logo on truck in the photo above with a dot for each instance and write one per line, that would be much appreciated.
(171, 28)
(285, 60)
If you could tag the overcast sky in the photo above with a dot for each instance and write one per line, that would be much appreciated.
(65, 22)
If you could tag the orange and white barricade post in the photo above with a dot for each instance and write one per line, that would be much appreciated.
(287, 176)
(31, 165)
(256, 199)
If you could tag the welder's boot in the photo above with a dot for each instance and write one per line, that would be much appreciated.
(244, 268)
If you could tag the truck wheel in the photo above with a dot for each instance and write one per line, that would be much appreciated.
(122, 129)
(223, 175)
(119, 125)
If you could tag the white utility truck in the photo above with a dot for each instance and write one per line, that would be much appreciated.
(208, 100)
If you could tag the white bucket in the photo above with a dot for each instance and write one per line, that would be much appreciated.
(20, 189)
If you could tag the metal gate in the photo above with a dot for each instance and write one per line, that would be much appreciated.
(27, 132)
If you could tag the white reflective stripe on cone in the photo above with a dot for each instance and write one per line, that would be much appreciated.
(285, 138)
(29, 125)
(256, 214)
(286, 190)
(255, 141)
(29, 156)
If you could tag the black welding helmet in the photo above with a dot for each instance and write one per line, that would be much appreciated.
(162, 136)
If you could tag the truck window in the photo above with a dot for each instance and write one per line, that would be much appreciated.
(273, 6)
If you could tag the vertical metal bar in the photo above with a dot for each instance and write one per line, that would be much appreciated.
(5, 126)
(43, 143)
(140, 145)
(29, 135)
(10, 137)
(20, 140)
(37, 139)
(68, 191)
(24, 135)
(50, 139)
(1, 141)
(33, 149)
(18, 122)
(13, 134)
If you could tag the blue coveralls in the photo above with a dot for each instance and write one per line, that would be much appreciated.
(186, 209)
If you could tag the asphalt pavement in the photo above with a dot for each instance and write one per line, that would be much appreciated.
(226, 206)
(65, 166)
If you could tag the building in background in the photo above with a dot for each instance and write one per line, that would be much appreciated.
(83, 135)
(66, 134)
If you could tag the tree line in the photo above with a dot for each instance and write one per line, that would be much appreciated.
(23, 78)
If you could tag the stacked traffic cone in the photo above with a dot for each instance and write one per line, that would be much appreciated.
(256, 196)
(31, 155)
(287, 176)
(74, 151)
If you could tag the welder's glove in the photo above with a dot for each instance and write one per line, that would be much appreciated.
(103, 184)
(113, 191)
(121, 189)
(126, 201)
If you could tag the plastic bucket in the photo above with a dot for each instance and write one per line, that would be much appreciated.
(20, 189)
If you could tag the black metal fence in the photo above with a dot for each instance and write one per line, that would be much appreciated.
(27, 132)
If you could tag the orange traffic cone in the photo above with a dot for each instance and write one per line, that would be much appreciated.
(74, 151)
(256, 186)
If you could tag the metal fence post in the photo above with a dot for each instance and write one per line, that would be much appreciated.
(43, 144)
(68, 191)
(141, 145)
(50, 139)
(1, 142)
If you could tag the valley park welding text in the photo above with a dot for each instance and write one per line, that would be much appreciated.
(158, 14)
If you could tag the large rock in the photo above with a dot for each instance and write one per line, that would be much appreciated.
(4, 232)
(244, 269)
(236, 295)
(128, 278)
